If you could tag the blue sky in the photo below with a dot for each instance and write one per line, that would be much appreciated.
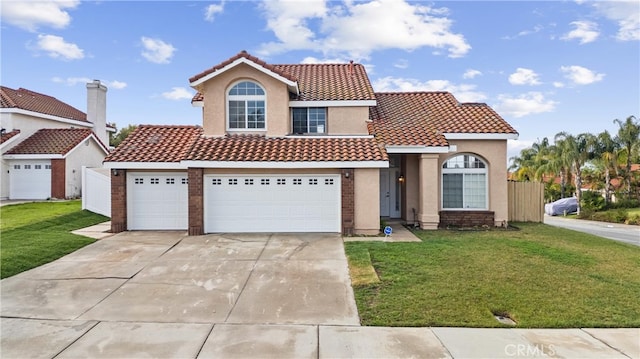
(545, 66)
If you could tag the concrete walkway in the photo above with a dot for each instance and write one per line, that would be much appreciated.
(167, 295)
(399, 234)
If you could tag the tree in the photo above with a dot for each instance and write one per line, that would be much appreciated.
(576, 151)
(629, 138)
(606, 157)
(116, 139)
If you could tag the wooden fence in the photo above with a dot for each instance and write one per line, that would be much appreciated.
(526, 201)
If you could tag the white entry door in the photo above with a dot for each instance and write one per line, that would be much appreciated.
(157, 201)
(389, 193)
(30, 179)
(272, 203)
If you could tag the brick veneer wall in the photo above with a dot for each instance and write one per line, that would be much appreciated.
(466, 218)
(118, 201)
(58, 178)
(196, 201)
(348, 202)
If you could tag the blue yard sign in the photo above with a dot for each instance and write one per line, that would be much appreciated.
(387, 231)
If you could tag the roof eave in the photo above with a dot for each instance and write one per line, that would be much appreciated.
(480, 136)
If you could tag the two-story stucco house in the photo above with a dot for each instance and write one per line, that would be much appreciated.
(311, 148)
(46, 142)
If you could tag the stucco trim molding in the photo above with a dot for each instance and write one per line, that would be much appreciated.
(284, 165)
(333, 103)
(47, 117)
(481, 136)
(146, 165)
(418, 149)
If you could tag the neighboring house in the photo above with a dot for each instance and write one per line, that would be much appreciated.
(311, 148)
(45, 142)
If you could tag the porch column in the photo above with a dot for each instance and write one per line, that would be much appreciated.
(428, 191)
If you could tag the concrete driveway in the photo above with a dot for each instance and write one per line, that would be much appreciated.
(161, 293)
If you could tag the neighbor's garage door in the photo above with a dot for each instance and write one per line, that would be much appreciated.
(157, 201)
(272, 203)
(30, 179)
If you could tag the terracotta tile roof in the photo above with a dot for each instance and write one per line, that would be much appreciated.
(51, 141)
(156, 143)
(33, 101)
(247, 56)
(316, 82)
(421, 118)
(282, 149)
(329, 82)
(8, 135)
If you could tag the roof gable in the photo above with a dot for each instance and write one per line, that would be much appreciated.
(58, 141)
(308, 82)
(36, 102)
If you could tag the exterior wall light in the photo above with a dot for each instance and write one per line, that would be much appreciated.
(401, 179)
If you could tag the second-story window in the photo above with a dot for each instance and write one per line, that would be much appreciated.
(246, 106)
(309, 120)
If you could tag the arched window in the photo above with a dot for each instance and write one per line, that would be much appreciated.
(464, 183)
(246, 106)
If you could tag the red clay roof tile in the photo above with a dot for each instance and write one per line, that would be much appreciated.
(156, 143)
(52, 141)
(283, 149)
(33, 101)
(316, 82)
(421, 118)
(6, 136)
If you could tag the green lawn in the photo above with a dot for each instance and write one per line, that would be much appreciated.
(540, 276)
(33, 234)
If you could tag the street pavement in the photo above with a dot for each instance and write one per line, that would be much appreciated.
(618, 232)
(168, 295)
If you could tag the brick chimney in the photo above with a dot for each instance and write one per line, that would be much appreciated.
(97, 109)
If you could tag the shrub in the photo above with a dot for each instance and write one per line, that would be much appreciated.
(592, 201)
(633, 219)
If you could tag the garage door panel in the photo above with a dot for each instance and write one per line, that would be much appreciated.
(30, 179)
(157, 201)
(272, 203)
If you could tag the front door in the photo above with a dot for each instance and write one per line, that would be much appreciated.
(389, 192)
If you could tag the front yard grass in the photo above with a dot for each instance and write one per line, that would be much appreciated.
(33, 234)
(539, 276)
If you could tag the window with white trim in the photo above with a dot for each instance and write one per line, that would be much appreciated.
(246, 106)
(309, 120)
(464, 183)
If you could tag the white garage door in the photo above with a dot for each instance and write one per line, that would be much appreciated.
(157, 201)
(272, 203)
(30, 179)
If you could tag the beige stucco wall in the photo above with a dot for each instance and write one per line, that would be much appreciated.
(215, 98)
(367, 201)
(494, 152)
(28, 125)
(90, 156)
(347, 120)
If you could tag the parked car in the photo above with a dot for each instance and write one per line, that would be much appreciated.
(561, 206)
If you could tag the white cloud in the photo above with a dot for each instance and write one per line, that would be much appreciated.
(359, 28)
(56, 47)
(535, 29)
(401, 64)
(625, 13)
(178, 93)
(585, 31)
(314, 60)
(462, 92)
(157, 51)
(524, 76)
(558, 84)
(580, 75)
(213, 9)
(471, 73)
(515, 146)
(30, 15)
(72, 81)
(524, 104)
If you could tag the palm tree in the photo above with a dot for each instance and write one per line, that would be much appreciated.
(629, 138)
(575, 151)
(553, 163)
(606, 153)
